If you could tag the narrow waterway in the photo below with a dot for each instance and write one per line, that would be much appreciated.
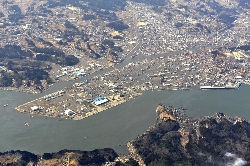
(110, 128)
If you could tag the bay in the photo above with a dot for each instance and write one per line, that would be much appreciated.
(112, 128)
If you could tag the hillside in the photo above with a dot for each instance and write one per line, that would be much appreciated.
(215, 140)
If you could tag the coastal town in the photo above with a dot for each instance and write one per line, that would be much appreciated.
(176, 72)
(113, 56)
(132, 82)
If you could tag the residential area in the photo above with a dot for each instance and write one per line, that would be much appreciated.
(115, 54)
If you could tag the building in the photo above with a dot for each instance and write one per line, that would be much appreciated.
(34, 108)
(69, 112)
(100, 100)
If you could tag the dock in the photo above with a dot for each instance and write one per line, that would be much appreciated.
(216, 87)
(236, 86)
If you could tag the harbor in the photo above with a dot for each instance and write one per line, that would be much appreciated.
(112, 127)
(120, 84)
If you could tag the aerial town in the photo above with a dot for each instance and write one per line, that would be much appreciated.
(115, 54)
(62, 62)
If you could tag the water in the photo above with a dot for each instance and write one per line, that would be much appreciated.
(112, 128)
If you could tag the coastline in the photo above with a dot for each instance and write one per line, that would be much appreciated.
(96, 109)
(117, 125)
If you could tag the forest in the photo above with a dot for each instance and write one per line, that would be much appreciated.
(108, 4)
(16, 15)
(118, 25)
(15, 59)
(13, 52)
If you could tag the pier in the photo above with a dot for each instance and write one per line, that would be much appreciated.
(236, 86)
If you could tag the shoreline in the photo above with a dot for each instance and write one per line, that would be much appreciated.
(130, 116)
(96, 109)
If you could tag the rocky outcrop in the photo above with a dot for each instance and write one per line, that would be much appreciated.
(209, 141)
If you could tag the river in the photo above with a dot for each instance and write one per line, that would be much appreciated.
(110, 128)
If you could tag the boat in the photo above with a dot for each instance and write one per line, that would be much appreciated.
(26, 124)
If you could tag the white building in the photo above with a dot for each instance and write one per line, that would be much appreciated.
(69, 112)
(34, 108)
